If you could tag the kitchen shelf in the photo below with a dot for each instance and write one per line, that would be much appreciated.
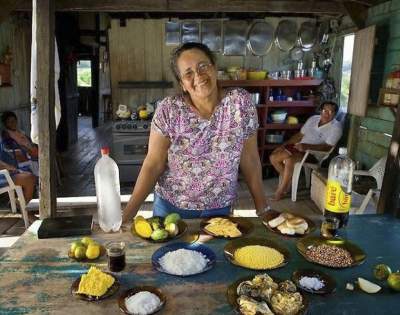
(271, 146)
(308, 103)
(278, 126)
(145, 84)
(267, 83)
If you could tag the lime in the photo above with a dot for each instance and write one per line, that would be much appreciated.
(394, 281)
(382, 271)
(75, 244)
(87, 240)
(80, 252)
(93, 251)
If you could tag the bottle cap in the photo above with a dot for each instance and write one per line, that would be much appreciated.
(105, 150)
(342, 151)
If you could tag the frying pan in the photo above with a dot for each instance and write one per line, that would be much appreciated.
(260, 38)
(308, 35)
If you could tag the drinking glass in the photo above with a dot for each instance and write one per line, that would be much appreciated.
(116, 256)
(329, 227)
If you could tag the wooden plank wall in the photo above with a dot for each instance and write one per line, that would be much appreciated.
(375, 129)
(15, 32)
(138, 52)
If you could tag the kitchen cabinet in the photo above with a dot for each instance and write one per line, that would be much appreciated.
(303, 105)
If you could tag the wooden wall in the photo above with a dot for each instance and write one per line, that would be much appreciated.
(375, 129)
(15, 32)
(138, 53)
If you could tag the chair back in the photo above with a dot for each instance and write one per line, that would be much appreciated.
(378, 171)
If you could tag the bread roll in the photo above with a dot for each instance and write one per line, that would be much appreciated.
(277, 221)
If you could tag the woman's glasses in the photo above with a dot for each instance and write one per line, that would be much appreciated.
(201, 68)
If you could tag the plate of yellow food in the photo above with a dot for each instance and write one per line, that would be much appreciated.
(95, 285)
(256, 253)
(266, 295)
(287, 224)
(86, 250)
(159, 229)
(226, 227)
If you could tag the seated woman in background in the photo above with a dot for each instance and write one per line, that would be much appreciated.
(17, 144)
(20, 178)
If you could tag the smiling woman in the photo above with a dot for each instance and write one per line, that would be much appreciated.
(199, 139)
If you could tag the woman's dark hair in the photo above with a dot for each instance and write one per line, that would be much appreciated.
(331, 103)
(177, 52)
(7, 115)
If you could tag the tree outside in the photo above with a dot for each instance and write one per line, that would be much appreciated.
(84, 73)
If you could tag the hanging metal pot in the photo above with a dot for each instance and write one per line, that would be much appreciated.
(323, 32)
(286, 35)
(308, 35)
(234, 34)
(260, 38)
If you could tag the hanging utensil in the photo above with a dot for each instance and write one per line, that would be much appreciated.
(211, 35)
(286, 35)
(323, 32)
(190, 32)
(307, 35)
(296, 53)
(234, 34)
(260, 38)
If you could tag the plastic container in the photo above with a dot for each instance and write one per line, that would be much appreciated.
(278, 116)
(338, 188)
(106, 176)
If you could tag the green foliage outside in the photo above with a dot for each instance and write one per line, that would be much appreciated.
(84, 73)
(345, 88)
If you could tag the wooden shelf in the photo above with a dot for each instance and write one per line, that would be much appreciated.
(145, 84)
(262, 83)
(308, 103)
(271, 146)
(282, 126)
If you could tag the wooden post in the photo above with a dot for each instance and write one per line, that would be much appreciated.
(44, 10)
(389, 200)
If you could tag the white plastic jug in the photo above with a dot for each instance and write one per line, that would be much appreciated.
(106, 176)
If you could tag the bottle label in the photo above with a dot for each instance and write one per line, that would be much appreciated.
(336, 199)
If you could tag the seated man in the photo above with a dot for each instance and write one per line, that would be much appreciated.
(19, 146)
(319, 133)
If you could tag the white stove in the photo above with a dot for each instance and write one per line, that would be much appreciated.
(130, 144)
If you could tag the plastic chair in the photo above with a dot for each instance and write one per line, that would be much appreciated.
(377, 171)
(10, 188)
(320, 156)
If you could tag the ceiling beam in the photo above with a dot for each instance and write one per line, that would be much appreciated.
(176, 6)
(357, 12)
(9, 6)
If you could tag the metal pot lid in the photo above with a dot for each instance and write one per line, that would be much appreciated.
(308, 35)
(211, 34)
(260, 38)
(286, 35)
(234, 34)
(323, 32)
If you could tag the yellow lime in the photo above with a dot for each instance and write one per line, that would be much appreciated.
(93, 251)
(80, 252)
(143, 114)
(394, 281)
(87, 240)
(75, 244)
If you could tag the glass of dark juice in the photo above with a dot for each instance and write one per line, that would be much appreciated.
(116, 256)
(329, 227)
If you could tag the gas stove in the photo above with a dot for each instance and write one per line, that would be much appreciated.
(131, 126)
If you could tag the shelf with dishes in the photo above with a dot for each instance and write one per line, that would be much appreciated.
(267, 83)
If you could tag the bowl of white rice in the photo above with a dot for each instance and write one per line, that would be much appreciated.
(183, 259)
(141, 300)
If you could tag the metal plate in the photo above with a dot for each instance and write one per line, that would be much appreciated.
(272, 214)
(357, 253)
(111, 291)
(128, 293)
(211, 35)
(244, 226)
(190, 32)
(232, 246)
(232, 296)
(172, 33)
(286, 35)
(308, 35)
(260, 38)
(235, 33)
(329, 282)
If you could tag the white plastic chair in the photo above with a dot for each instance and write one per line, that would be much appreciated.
(377, 171)
(320, 156)
(10, 190)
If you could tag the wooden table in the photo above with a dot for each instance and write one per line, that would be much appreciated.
(36, 275)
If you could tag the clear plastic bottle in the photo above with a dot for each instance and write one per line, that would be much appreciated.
(106, 176)
(338, 187)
